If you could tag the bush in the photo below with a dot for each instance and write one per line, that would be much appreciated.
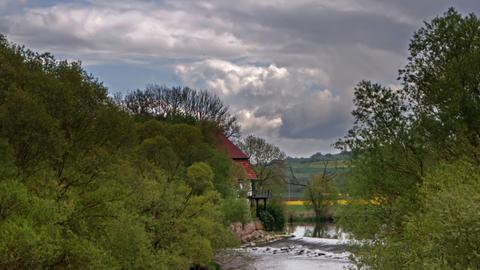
(235, 210)
(444, 235)
(273, 217)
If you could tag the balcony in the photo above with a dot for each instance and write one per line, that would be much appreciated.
(259, 194)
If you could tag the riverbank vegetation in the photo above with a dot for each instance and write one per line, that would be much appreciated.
(91, 182)
(416, 149)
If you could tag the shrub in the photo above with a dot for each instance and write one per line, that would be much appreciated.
(235, 210)
(273, 217)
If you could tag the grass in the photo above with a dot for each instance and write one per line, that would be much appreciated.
(298, 213)
(296, 210)
(305, 170)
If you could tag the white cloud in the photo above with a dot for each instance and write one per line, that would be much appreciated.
(283, 104)
(228, 78)
(112, 33)
(231, 78)
(265, 126)
(287, 68)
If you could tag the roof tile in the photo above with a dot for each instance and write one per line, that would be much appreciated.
(237, 156)
(232, 150)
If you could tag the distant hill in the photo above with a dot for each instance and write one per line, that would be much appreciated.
(304, 168)
(345, 155)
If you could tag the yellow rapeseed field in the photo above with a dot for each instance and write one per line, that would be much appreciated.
(375, 201)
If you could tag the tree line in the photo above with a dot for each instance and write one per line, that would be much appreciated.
(90, 183)
(173, 102)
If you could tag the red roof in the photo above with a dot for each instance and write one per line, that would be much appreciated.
(247, 167)
(237, 156)
(232, 150)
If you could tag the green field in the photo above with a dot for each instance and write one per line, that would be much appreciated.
(305, 168)
(302, 213)
(298, 212)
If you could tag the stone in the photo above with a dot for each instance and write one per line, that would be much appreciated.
(249, 228)
(236, 228)
(258, 225)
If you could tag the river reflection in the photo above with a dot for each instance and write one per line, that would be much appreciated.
(317, 230)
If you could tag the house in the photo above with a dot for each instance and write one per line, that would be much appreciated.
(248, 180)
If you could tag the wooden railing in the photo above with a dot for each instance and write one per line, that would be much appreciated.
(260, 194)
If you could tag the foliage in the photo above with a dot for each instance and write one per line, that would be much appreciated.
(199, 177)
(268, 162)
(267, 220)
(320, 192)
(444, 234)
(236, 210)
(273, 217)
(180, 104)
(260, 152)
(85, 185)
(406, 143)
(304, 169)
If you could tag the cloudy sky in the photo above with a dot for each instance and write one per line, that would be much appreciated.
(286, 68)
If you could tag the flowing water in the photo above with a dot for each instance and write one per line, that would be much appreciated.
(312, 246)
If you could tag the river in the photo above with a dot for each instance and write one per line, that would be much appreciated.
(321, 246)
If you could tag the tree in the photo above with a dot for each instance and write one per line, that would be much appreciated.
(403, 137)
(320, 193)
(180, 102)
(441, 235)
(200, 177)
(267, 159)
(85, 185)
(442, 80)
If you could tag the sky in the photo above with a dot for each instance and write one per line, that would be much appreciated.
(286, 68)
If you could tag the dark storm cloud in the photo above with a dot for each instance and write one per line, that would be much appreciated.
(334, 127)
(425, 10)
(4, 26)
(317, 117)
(286, 68)
(316, 25)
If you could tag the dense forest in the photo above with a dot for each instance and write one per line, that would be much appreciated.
(416, 150)
(87, 182)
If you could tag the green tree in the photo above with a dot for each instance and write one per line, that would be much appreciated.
(401, 140)
(199, 177)
(84, 185)
(268, 162)
(320, 195)
(443, 234)
(180, 103)
(273, 216)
